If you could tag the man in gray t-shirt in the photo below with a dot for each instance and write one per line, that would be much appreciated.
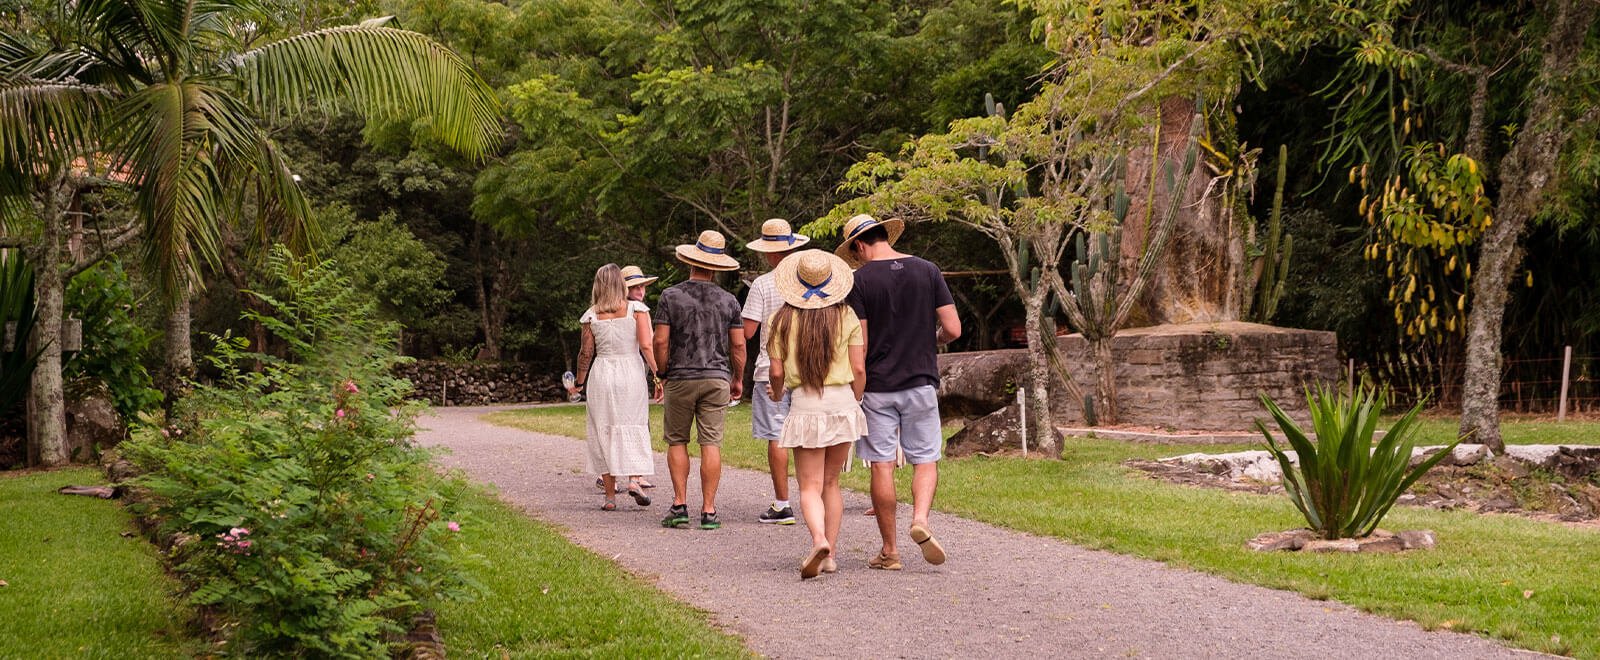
(699, 346)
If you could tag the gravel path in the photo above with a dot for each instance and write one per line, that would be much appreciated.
(1002, 594)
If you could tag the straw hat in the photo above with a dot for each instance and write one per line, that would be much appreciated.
(857, 225)
(632, 276)
(776, 236)
(812, 279)
(710, 252)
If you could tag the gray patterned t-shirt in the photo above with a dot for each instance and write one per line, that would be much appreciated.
(699, 315)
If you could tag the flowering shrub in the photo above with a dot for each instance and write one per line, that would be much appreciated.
(314, 525)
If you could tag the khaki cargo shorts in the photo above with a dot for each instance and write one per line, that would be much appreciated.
(702, 402)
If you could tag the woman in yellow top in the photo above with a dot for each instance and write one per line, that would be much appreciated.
(819, 355)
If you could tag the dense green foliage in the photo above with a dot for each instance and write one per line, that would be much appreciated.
(79, 582)
(115, 343)
(1342, 481)
(303, 512)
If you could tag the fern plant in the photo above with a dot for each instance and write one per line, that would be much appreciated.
(1342, 481)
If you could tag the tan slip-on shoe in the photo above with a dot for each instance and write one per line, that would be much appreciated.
(931, 550)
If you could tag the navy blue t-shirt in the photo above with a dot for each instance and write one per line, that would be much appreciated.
(897, 299)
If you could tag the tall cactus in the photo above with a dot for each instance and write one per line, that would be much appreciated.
(1097, 302)
(1271, 266)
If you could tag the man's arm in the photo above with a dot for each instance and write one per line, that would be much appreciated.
(751, 327)
(736, 362)
(660, 346)
(949, 324)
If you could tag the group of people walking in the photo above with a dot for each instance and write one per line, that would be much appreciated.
(848, 345)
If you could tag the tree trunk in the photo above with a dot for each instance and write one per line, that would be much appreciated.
(1105, 383)
(1040, 431)
(1525, 174)
(179, 353)
(47, 412)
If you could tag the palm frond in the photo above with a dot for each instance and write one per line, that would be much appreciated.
(45, 122)
(386, 72)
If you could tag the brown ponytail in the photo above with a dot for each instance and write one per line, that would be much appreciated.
(816, 331)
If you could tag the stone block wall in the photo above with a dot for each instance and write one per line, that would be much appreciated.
(475, 384)
(1181, 377)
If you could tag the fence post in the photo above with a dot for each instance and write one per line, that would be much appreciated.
(1566, 376)
(1350, 375)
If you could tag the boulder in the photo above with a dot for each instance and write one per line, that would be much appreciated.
(93, 424)
(1418, 539)
(1462, 455)
(978, 383)
(1256, 465)
(993, 432)
(1574, 461)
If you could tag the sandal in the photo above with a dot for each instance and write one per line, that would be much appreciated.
(639, 497)
(609, 506)
(813, 563)
(871, 511)
(601, 484)
(885, 562)
(830, 566)
(644, 484)
(931, 550)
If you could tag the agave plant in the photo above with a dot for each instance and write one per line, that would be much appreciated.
(16, 312)
(1343, 482)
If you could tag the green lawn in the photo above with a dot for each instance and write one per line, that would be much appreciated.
(76, 587)
(1440, 429)
(1475, 581)
(545, 597)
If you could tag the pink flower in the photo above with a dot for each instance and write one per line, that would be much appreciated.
(239, 531)
(339, 413)
(453, 526)
(244, 544)
(350, 386)
(370, 476)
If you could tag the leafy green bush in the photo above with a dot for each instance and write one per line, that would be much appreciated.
(303, 513)
(114, 344)
(1344, 484)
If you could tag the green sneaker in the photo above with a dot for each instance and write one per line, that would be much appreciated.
(709, 521)
(677, 516)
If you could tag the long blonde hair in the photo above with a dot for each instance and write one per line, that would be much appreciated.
(816, 332)
(609, 296)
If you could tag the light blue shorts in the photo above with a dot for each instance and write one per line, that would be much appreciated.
(907, 420)
(766, 415)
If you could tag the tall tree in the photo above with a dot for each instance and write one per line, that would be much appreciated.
(176, 96)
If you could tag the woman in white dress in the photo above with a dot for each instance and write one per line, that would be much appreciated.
(613, 376)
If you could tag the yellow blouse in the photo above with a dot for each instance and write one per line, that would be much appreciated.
(839, 373)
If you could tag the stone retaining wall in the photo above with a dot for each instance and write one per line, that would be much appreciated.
(1187, 377)
(476, 384)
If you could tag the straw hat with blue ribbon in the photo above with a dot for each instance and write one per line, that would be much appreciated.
(776, 236)
(859, 225)
(813, 279)
(633, 276)
(709, 252)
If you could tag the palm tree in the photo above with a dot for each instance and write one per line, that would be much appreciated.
(174, 98)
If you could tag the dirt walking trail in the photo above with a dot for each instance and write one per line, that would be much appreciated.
(1001, 594)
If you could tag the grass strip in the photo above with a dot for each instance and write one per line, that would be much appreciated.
(1525, 581)
(76, 587)
(547, 598)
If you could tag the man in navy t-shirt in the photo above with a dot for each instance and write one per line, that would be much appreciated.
(906, 313)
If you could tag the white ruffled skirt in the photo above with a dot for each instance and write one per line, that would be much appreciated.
(815, 421)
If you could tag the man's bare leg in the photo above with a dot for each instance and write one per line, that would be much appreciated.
(710, 475)
(678, 468)
(924, 482)
(883, 502)
(778, 464)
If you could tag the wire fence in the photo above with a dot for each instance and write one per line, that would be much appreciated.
(1527, 385)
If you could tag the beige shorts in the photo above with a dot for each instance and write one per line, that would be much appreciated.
(703, 403)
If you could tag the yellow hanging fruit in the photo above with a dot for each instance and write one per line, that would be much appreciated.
(1530, 279)
(1450, 267)
(1461, 303)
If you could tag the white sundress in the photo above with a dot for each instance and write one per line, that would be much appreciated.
(618, 401)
